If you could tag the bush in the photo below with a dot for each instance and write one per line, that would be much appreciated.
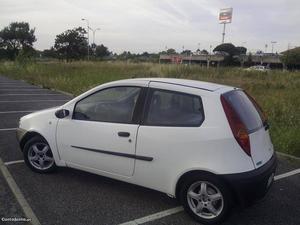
(25, 57)
(291, 58)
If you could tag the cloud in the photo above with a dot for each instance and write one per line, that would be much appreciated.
(150, 25)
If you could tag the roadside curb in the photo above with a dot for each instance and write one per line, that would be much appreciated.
(288, 155)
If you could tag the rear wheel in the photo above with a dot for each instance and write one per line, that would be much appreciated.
(206, 198)
(38, 155)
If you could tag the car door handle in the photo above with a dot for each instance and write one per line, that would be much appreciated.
(123, 134)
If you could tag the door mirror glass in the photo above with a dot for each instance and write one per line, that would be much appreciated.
(62, 113)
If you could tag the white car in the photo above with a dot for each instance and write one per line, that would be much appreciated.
(258, 68)
(206, 144)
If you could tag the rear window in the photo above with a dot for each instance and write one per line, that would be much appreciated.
(244, 107)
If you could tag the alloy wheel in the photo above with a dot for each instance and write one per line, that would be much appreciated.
(40, 156)
(205, 199)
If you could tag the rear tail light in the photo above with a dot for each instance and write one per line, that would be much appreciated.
(261, 113)
(238, 128)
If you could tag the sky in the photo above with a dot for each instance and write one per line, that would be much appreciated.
(153, 25)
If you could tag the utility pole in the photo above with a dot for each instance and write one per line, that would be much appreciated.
(266, 47)
(88, 34)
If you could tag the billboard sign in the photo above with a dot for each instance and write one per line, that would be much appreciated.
(225, 15)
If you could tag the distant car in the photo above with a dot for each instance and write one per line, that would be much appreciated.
(206, 144)
(258, 68)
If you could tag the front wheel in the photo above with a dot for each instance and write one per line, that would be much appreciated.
(38, 155)
(206, 198)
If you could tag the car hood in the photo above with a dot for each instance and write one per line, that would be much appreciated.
(41, 112)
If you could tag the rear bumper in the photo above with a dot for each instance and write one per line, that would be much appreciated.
(253, 185)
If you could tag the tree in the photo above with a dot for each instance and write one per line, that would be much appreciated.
(241, 50)
(204, 52)
(16, 37)
(101, 51)
(50, 53)
(71, 44)
(3, 54)
(125, 55)
(231, 51)
(228, 48)
(186, 52)
(291, 57)
(171, 51)
(145, 54)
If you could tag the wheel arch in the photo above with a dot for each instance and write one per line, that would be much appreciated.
(28, 136)
(195, 172)
(185, 176)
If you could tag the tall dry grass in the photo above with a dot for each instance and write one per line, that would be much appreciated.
(278, 92)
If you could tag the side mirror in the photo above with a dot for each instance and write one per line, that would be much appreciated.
(62, 113)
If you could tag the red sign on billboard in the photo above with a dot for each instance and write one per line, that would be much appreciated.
(176, 59)
(225, 15)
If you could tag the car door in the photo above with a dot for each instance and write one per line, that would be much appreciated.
(101, 133)
(170, 133)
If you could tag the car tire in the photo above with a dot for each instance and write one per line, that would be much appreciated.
(38, 155)
(206, 198)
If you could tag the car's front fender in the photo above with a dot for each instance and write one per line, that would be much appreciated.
(43, 123)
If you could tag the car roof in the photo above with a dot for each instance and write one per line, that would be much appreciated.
(208, 86)
(205, 86)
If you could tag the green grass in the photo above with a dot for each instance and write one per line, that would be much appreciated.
(277, 92)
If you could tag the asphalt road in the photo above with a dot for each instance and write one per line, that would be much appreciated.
(74, 197)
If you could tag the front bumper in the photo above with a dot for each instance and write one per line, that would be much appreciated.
(253, 185)
(20, 134)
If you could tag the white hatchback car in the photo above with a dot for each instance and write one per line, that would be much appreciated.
(206, 144)
(258, 68)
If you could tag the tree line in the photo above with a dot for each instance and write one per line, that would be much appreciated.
(16, 43)
(16, 40)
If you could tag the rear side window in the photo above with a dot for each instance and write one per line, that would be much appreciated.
(168, 108)
(244, 107)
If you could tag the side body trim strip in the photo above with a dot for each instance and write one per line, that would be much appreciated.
(139, 157)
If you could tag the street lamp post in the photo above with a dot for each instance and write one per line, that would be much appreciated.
(88, 34)
(94, 32)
